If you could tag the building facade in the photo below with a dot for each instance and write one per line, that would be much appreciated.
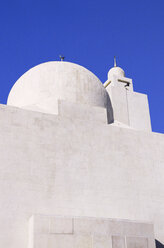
(80, 166)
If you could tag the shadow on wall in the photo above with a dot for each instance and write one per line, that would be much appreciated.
(159, 244)
(110, 115)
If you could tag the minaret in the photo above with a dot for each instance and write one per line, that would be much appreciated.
(130, 108)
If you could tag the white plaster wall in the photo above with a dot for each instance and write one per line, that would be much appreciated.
(138, 108)
(48, 231)
(61, 166)
(129, 108)
(119, 101)
(82, 112)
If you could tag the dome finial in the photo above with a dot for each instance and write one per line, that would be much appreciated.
(115, 64)
(61, 57)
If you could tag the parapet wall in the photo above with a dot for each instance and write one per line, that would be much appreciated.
(82, 232)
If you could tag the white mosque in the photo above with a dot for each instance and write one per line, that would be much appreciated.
(80, 166)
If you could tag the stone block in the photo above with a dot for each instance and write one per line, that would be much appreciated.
(82, 241)
(130, 228)
(91, 226)
(136, 242)
(118, 242)
(102, 242)
(60, 241)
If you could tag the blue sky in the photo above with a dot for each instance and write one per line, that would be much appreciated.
(89, 33)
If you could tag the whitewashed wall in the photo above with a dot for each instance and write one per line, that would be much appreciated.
(64, 166)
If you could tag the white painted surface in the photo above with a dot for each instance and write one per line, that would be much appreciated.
(118, 97)
(138, 108)
(65, 160)
(41, 87)
(82, 112)
(88, 232)
(64, 166)
(116, 71)
(129, 108)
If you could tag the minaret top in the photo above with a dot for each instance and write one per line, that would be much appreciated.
(115, 64)
(116, 71)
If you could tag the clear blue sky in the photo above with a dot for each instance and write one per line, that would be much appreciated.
(89, 33)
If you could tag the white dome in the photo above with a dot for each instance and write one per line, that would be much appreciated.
(41, 87)
(119, 72)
